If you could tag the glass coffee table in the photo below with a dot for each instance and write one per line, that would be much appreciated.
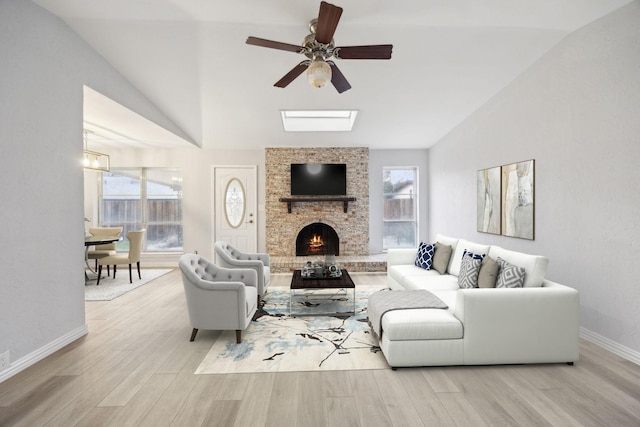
(324, 288)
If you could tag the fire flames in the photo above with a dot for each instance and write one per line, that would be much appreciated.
(315, 243)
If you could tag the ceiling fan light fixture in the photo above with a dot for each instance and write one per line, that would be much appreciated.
(319, 73)
(319, 46)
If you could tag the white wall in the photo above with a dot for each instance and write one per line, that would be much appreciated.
(43, 67)
(577, 113)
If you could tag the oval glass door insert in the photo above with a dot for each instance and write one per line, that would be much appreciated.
(234, 203)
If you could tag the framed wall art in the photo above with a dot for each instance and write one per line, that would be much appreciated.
(517, 205)
(489, 202)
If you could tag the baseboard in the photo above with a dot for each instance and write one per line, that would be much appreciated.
(36, 356)
(611, 346)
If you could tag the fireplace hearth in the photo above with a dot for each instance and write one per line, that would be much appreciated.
(317, 239)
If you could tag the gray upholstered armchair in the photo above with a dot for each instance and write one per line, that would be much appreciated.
(230, 257)
(218, 298)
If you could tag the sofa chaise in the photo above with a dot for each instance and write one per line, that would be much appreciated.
(536, 322)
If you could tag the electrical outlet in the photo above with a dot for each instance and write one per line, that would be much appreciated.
(4, 360)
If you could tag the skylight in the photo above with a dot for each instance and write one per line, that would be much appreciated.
(318, 120)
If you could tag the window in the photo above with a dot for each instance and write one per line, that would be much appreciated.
(148, 198)
(400, 195)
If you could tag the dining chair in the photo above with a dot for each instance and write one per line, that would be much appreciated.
(133, 256)
(101, 251)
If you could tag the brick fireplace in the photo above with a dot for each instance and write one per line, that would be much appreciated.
(351, 227)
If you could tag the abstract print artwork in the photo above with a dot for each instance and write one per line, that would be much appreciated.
(489, 200)
(518, 200)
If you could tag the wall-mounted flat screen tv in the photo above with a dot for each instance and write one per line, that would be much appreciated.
(318, 179)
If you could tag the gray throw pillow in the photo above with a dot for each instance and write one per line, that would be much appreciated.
(469, 269)
(441, 258)
(488, 273)
(510, 276)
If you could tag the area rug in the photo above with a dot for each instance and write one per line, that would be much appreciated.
(278, 342)
(110, 288)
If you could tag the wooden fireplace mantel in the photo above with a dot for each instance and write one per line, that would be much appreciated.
(344, 199)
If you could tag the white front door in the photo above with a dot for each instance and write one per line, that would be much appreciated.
(234, 211)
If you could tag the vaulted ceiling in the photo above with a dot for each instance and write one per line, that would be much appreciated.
(190, 59)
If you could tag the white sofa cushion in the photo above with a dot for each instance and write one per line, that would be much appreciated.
(449, 297)
(535, 266)
(446, 240)
(456, 258)
(425, 323)
(397, 256)
(423, 352)
(420, 324)
(433, 283)
(400, 272)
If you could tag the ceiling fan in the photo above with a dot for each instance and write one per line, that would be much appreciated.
(319, 47)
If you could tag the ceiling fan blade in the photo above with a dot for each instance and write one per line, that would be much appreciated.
(274, 45)
(328, 19)
(291, 75)
(380, 51)
(337, 79)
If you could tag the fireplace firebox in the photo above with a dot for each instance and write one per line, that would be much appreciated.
(317, 239)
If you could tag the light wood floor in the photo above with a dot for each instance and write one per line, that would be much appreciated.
(135, 367)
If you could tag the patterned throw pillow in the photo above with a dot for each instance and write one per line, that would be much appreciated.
(510, 276)
(425, 255)
(469, 269)
(472, 255)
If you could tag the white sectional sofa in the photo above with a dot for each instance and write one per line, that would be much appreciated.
(537, 323)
